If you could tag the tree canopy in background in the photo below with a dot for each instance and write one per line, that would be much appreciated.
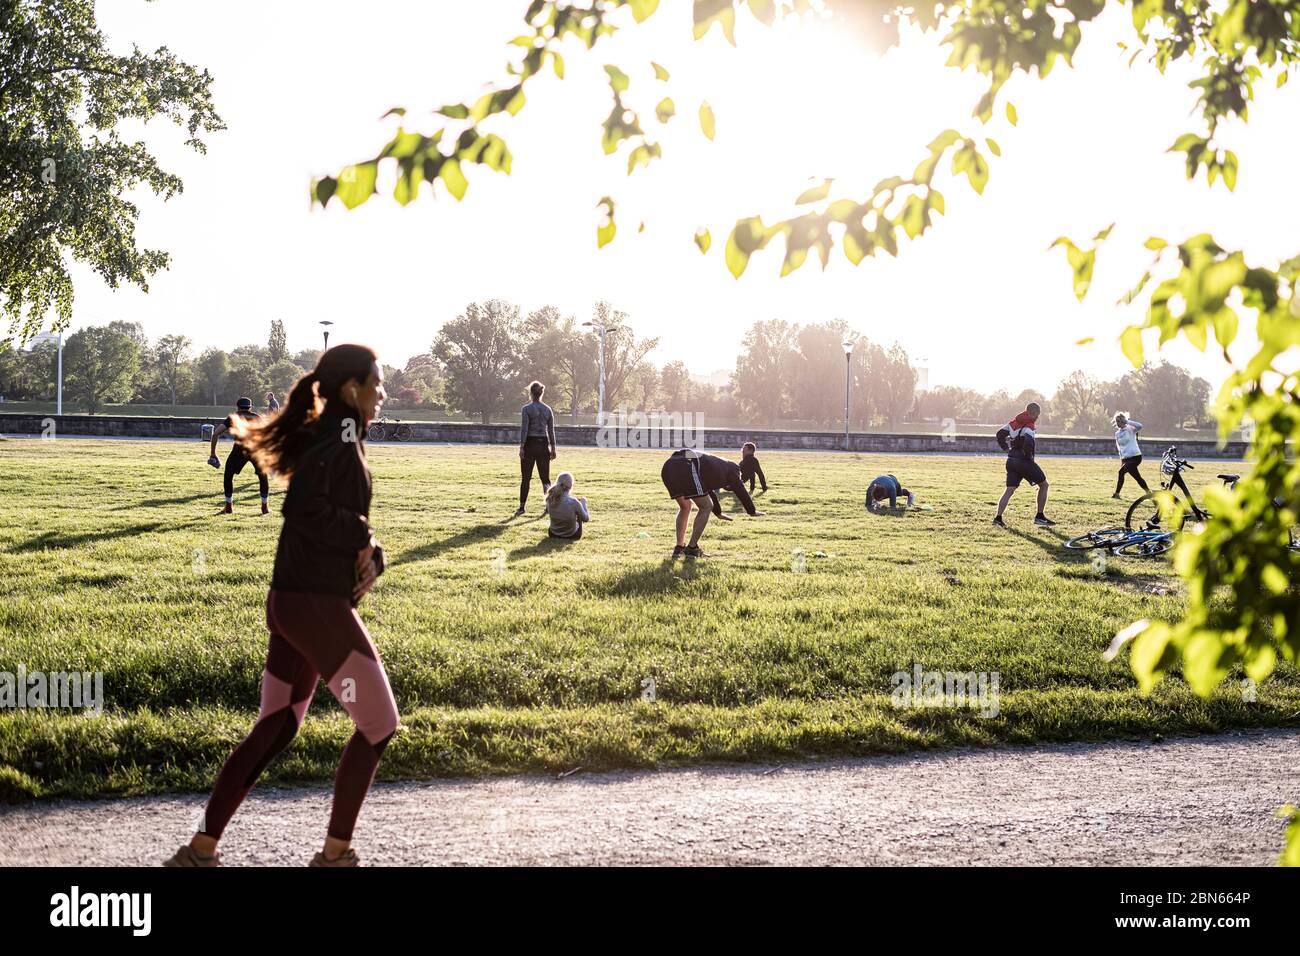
(65, 172)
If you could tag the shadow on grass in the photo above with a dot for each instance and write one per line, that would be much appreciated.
(475, 535)
(55, 540)
(547, 545)
(160, 502)
(648, 579)
(1054, 545)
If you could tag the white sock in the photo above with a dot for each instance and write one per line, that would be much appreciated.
(229, 499)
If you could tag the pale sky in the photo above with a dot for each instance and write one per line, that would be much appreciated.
(979, 300)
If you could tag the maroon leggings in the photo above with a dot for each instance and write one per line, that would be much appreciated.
(312, 636)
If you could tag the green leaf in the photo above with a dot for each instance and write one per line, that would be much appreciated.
(1155, 244)
(605, 233)
(1130, 343)
(617, 78)
(994, 148)
(794, 258)
(1012, 118)
(703, 239)
(660, 72)
(842, 210)
(324, 188)
(557, 61)
(1086, 340)
(721, 12)
(641, 9)
(815, 194)
(356, 184)
(642, 155)
(707, 122)
(763, 10)
(395, 111)
(1151, 656)
(455, 111)
(666, 110)
(453, 178)
(737, 258)
(914, 218)
(1230, 169)
(1101, 236)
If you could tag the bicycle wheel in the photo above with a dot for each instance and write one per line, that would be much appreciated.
(1148, 547)
(1104, 538)
(403, 432)
(375, 432)
(1144, 514)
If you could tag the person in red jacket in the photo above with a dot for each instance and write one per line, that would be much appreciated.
(326, 562)
(1018, 439)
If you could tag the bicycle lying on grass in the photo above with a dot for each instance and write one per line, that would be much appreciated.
(383, 429)
(1142, 535)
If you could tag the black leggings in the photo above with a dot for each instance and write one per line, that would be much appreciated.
(537, 451)
(1130, 466)
(235, 464)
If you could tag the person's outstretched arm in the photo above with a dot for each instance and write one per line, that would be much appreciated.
(550, 429)
(737, 487)
(762, 479)
(217, 433)
(523, 431)
(1136, 426)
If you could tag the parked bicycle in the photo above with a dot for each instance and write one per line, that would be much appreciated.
(385, 429)
(1146, 513)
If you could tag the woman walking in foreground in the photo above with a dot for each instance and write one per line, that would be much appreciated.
(326, 562)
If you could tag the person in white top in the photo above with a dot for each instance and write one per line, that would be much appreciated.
(1130, 455)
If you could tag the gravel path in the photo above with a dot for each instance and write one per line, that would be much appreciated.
(1205, 800)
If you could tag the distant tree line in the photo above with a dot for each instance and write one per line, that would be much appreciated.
(1164, 397)
(480, 363)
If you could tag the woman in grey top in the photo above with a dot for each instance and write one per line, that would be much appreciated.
(567, 512)
(536, 443)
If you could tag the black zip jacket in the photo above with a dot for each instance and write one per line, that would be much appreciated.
(749, 468)
(718, 473)
(326, 512)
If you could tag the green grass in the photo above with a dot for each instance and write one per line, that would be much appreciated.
(114, 558)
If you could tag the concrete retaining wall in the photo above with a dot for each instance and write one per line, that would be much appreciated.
(722, 440)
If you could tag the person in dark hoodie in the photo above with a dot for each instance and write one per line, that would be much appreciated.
(694, 478)
(326, 562)
(749, 466)
(238, 458)
(1017, 438)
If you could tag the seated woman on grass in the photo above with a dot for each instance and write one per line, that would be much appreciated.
(567, 512)
(887, 486)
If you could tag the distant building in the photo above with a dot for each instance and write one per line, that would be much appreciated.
(719, 379)
(38, 340)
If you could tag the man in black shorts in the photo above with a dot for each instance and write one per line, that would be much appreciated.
(1017, 439)
(238, 458)
(692, 477)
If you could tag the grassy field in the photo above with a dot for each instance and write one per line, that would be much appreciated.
(510, 652)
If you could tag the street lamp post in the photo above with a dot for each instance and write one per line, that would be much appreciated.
(326, 323)
(848, 369)
(600, 399)
(59, 406)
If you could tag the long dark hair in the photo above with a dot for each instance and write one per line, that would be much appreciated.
(276, 442)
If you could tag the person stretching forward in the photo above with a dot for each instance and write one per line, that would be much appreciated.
(694, 478)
